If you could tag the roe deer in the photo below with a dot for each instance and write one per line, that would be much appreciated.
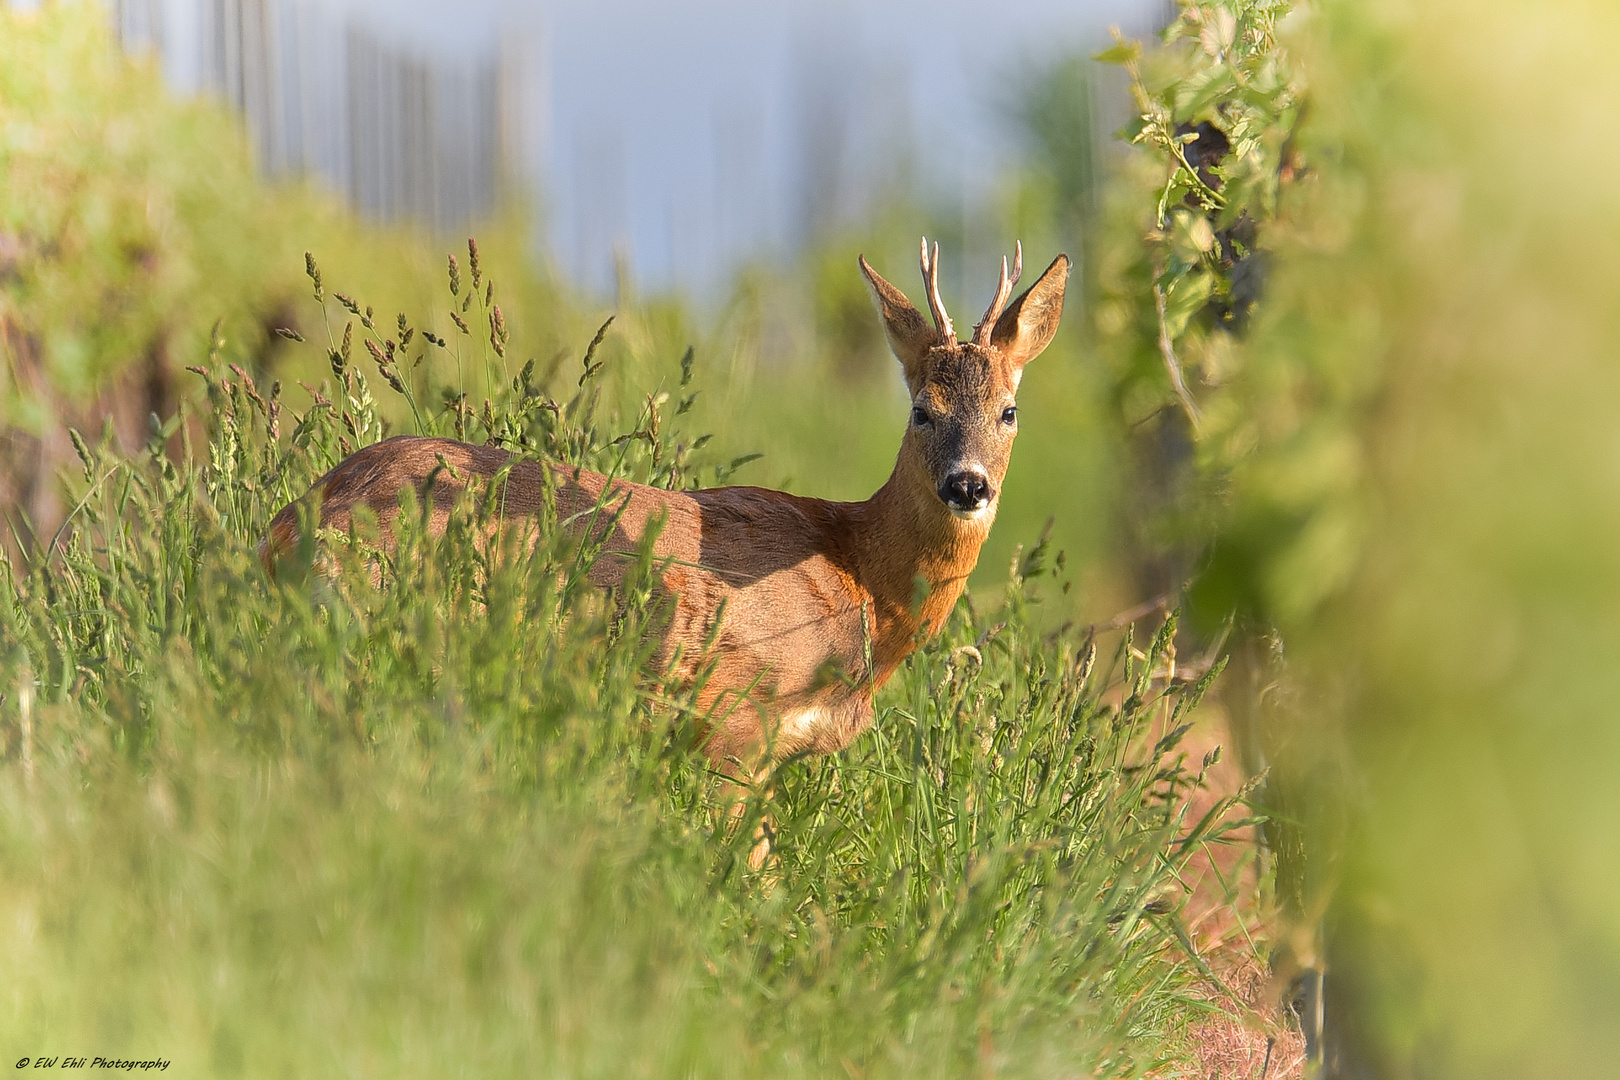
(818, 602)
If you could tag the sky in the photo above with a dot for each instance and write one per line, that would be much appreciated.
(696, 134)
(685, 137)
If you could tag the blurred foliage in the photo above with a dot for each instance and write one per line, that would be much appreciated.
(130, 222)
(1428, 510)
(452, 822)
(1406, 449)
(1181, 261)
(127, 217)
(1057, 109)
(846, 333)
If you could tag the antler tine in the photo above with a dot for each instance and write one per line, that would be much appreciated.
(930, 272)
(1004, 288)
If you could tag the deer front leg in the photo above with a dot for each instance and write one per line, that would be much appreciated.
(743, 784)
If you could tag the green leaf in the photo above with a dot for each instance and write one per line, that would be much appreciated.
(1183, 300)
(1190, 236)
(1133, 130)
(1123, 51)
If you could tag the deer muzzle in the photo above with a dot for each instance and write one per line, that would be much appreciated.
(967, 494)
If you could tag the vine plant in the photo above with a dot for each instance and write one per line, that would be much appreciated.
(1216, 108)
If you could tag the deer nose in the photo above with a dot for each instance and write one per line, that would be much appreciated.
(965, 492)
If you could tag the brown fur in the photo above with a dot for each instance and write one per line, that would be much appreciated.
(818, 601)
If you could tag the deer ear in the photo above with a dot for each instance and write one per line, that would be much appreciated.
(910, 336)
(1029, 323)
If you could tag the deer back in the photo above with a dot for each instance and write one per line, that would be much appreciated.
(764, 611)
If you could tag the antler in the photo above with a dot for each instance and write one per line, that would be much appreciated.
(930, 272)
(983, 328)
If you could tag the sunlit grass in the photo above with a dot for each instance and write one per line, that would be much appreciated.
(453, 824)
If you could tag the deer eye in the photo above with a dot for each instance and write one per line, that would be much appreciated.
(920, 417)
(1009, 415)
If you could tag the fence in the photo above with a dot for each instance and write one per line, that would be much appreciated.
(403, 135)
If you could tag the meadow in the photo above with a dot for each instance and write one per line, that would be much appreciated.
(455, 825)
(1337, 385)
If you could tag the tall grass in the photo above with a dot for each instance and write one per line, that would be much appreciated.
(452, 824)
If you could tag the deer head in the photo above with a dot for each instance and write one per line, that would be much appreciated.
(964, 412)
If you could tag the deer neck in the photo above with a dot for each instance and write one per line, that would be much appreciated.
(914, 557)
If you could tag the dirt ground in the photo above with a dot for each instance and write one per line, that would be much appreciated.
(1254, 1036)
